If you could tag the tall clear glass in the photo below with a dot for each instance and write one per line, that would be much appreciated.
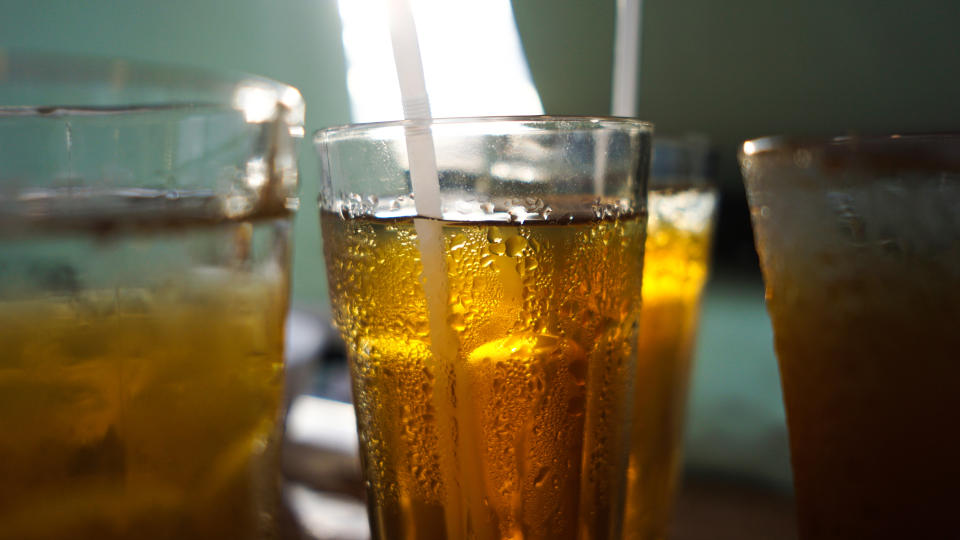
(859, 240)
(144, 258)
(503, 410)
(682, 204)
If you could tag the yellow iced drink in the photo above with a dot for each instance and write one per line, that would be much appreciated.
(675, 269)
(149, 409)
(517, 431)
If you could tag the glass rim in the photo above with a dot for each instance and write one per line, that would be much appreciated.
(217, 86)
(876, 154)
(776, 143)
(331, 132)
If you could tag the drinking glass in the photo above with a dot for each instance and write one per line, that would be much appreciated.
(859, 240)
(682, 203)
(493, 362)
(144, 259)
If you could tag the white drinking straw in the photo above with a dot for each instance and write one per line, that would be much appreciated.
(416, 109)
(421, 156)
(626, 58)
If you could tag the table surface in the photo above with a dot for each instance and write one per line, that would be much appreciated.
(707, 509)
(712, 509)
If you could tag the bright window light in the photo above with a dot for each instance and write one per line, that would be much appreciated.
(473, 60)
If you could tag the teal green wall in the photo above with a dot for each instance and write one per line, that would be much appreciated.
(738, 69)
(569, 46)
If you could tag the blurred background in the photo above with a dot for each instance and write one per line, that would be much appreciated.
(727, 71)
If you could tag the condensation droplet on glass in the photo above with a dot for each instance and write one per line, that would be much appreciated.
(458, 242)
(542, 476)
(515, 246)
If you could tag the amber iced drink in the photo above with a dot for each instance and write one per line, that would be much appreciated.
(144, 231)
(509, 418)
(859, 240)
(675, 269)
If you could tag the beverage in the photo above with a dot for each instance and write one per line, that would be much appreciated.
(141, 379)
(675, 269)
(493, 350)
(516, 431)
(144, 255)
(859, 245)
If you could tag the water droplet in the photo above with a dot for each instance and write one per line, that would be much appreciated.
(494, 236)
(515, 245)
(458, 242)
(576, 406)
(578, 370)
(455, 320)
(892, 247)
(802, 158)
(541, 477)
